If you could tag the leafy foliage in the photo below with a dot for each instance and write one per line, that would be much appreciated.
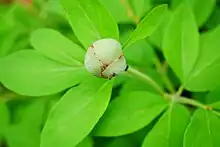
(80, 106)
(203, 126)
(168, 96)
(122, 114)
(90, 26)
(45, 76)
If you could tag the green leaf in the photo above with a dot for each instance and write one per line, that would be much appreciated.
(130, 113)
(54, 6)
(87, 142)
(216, 105)
(7, 41)
(213, 20)
(75, 115)
(57, 47)
(213, 99)
(119, 12)
(28, 72)
(22, 136)
(207, 68)
(203, 130)
(140, 53)
(181, 42)
(90, 20)
(213, 96)
(5, 25)
(156, 38)
(148, 25)
(169, 130)
(123, 141)
(4, 117)
(31, 113)
(202, 9)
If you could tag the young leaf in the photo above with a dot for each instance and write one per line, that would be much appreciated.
(22, 136)
(169, 130)
(148, 25)
(75, 115)
(203, 130)
(57, 47)
(4, 117)
(130, 113)
(181, 42)
(90, 20)
(28, 72)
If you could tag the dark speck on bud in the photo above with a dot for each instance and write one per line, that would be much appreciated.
(126, 68)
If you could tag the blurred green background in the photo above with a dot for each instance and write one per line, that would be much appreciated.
(22, 118)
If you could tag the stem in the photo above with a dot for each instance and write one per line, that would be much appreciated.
(180, 90)
(187, 101)
(146, 79)
(195, 103)
(130, 11)
(192, 102)
(166, 80)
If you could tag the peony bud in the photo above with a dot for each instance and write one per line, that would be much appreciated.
(104, 58)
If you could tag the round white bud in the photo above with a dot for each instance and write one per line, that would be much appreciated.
(104, 58)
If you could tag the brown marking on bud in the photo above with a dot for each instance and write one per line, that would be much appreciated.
(92, 46)
(120, 57)
(102, 75)
(103, 68)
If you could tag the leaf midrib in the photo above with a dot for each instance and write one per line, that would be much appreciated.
(92, 98)
(206, 65)
(74, 60)
(84, 106)
(59, 69)
(89, 19)
(169, 122)
(209, 128)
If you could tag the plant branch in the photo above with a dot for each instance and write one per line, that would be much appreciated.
(166, 80)
(130, 11)
(180, 90)
(146, 79)
(192, 102)
(171, 97)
